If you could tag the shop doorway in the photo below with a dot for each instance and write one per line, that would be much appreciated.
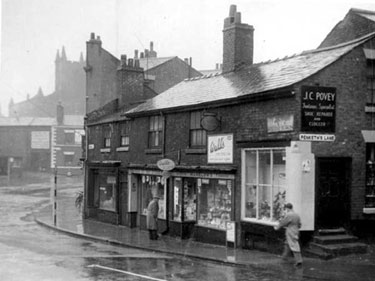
(332, 192)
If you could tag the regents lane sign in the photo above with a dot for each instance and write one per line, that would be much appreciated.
(318, 109)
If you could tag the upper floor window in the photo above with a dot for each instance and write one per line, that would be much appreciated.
(69, 137)
(107, 136)
(155, 133)
(198, 137)
(124, 133)
(370, 90)
(370, 60)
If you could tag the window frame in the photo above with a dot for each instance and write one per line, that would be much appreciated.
(107, 134)
(260, 185)
(124, 134)
(155, 131)
(197, 135)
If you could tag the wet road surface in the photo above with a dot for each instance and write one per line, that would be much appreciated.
(31, 252)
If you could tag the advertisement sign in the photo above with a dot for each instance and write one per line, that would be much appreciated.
(166, 164)
(220, 149)
(280, 123)
(40, 140)
(318, 109)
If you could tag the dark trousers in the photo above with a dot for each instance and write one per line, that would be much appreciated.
(153, 234)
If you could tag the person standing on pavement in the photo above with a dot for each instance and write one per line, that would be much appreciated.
(292, 223)
(152, 217)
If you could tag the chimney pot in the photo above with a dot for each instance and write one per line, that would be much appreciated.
(123, 60)
(151, 46)
(237, 18)
(136, 63)
(146, 53)
(142, 55)
(130, 62)
(232, 11)
(186, 60)
(136, 54)
(92, 37)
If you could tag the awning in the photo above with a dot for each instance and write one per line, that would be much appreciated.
(368, 135)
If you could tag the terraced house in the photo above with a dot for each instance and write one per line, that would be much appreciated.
(226, 151)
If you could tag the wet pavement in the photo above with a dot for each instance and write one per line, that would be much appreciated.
(69, 221)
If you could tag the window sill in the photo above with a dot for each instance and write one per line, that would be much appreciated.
(196, 151)
(105, 150)
(153, 151)
(122, 148)
(370, 108)
(369, 210)
(270, 223)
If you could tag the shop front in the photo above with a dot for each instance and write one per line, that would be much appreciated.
(272, 176)
(196, 205)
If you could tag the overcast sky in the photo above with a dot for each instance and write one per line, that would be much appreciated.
(33, 30)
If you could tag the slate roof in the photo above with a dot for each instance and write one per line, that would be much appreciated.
(149, 63)
(253, 79)
(370, 15)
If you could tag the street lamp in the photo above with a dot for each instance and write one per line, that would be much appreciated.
(10, 161)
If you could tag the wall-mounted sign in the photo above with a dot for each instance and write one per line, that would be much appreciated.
(316, 137)
(318, 109)
(166, 164)
(210, 122)
(91, 146)
(40, 140)
(220, 149)
(280, 123)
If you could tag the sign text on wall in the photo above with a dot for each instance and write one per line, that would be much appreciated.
(318, 109)
(220, 149)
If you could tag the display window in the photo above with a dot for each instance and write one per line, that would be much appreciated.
(152, 186)
(370, 176)
(214, 202)
(184, 199)
(264, 184)
(107, 192)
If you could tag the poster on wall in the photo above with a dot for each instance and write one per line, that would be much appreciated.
(318, 109)
(220, 149)
(40, 140)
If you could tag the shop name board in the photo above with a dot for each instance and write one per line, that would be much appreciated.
(220, 149)
(318, 109)
(316, 137)
(280, 123)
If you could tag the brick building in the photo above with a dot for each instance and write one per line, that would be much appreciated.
(103, 79)
(226, 151)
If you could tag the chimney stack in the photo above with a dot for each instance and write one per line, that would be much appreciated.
(60, 114)
(238, 41)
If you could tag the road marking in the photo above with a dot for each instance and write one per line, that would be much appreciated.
(125, 272)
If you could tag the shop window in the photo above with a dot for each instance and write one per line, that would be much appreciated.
(107, 192)
(370, 175)
(214, 202)
(263, 185)
(198, 137)
(155, 134)
(184, 199)
(107, 136)
(152, 186)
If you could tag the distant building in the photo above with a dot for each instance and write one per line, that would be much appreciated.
(69, 90)
(41, 143)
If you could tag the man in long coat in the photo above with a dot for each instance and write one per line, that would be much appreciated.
(292, 224)
(152, 217)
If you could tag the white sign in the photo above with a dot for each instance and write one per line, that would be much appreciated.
(40, 139)
(316, 137)
(220, 149)
(280, 123)
(231, 231)
(166, 164)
